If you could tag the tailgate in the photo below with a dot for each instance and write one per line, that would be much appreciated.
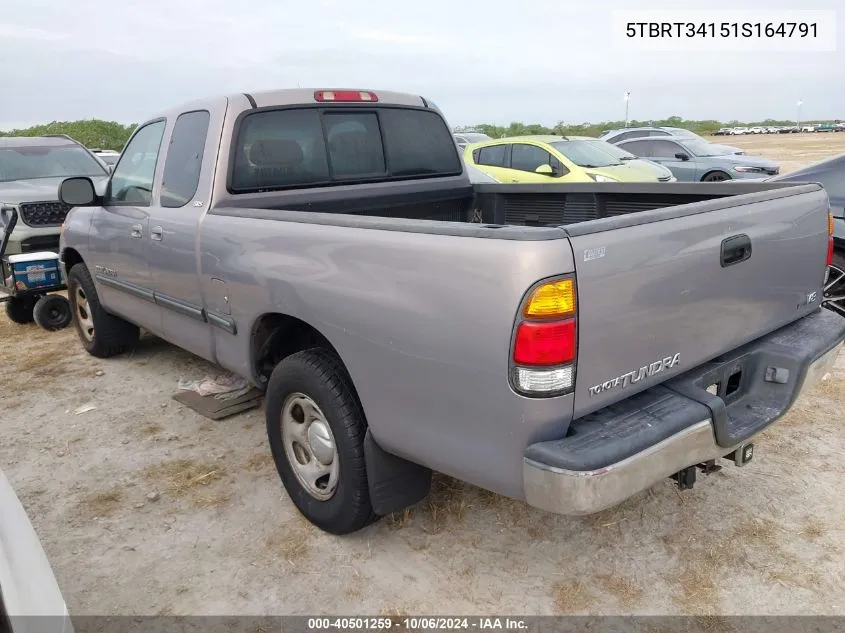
(664, 291)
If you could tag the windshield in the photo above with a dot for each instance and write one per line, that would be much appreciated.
(700, 147)
(679, 131)
(585, 153)
(25, 163)
(613, 150)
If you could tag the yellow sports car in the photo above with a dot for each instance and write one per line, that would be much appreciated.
(538, 159)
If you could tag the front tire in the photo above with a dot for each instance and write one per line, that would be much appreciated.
(52, 312)
(316, 430)
(715, 176)
(102, 334)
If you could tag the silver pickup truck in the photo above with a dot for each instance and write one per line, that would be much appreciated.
(568, 345)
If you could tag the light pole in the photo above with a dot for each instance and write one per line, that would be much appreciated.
(627, 98)
(798, 120)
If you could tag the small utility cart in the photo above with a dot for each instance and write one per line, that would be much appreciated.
(27, 281)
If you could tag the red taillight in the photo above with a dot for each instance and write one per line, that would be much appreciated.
(346, 95)
(544, 344)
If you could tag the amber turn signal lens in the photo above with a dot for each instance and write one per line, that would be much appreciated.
(830, 223)
(553, 299)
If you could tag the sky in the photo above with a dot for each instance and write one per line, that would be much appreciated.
(488, 61)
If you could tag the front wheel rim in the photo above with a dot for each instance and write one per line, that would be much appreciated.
(310, 446)
(84, 319)
(834, 290)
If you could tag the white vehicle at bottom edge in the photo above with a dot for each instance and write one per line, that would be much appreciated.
(30, 599)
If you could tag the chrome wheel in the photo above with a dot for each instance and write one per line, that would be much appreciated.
(834, 290)
(310, 446)
(83, 315)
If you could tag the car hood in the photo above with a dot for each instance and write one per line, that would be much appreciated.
(728, 149)
(39, 189)
(26, 578)
(625, 173)
(655, 169)
(750, 161)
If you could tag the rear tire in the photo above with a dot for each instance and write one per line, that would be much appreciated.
(20, 309)
(52, 312)
(310, 393)
(715, 176)
(102, 334)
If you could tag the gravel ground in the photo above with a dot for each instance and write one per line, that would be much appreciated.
(144, 507)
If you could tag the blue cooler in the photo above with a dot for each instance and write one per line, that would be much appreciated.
(35, 271)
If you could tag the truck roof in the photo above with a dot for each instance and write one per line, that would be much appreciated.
(294, 96)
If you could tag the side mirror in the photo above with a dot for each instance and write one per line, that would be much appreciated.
(77, 192)
(546, 170)
(682, 156)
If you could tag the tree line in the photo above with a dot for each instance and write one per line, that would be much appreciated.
(92, 133)
(702, 127)
(100, 134)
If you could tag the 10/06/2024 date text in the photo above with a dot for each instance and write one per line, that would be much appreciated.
(415, 624)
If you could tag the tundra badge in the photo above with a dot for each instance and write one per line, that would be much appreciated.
(646, 371)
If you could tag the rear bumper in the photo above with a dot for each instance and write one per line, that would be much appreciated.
(615, 453)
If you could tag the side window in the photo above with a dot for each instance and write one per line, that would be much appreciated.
(638, 148)
(132, 179)
(626, 135)
(658, 133)
(493, 156)
(184, 159)
(529, 157)
(354, 143)
(665, 149)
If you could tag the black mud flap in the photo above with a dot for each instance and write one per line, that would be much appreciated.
(394, 483)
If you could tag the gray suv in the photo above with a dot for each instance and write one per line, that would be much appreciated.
(625, 134)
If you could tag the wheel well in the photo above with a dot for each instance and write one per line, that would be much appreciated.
(277, 336)
(71, 259)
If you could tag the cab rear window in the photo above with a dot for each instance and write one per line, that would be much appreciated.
(307, 147)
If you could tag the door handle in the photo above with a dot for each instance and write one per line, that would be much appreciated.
(137, 231)
(735, 249)
(156, 233)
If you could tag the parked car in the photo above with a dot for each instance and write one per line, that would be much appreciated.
(739, 131)
(465, 138)
(789, 129)
(30, 594)
(722, 131)
(691, 160)
(31, 168)
(617, 136)
(329, 247)
(659, 171)
(552, 159)
(830, 173)
(756, 130)
(825, 127)
(808, 127)
(108, 156)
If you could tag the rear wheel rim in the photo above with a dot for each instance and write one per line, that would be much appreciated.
(834, 290)
(83, 314)
(310, 446)
(715, 178)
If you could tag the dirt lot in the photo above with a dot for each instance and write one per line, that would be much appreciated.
(146, 508)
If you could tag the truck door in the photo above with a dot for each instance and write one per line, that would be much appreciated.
(119, 236)
(174, 229)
